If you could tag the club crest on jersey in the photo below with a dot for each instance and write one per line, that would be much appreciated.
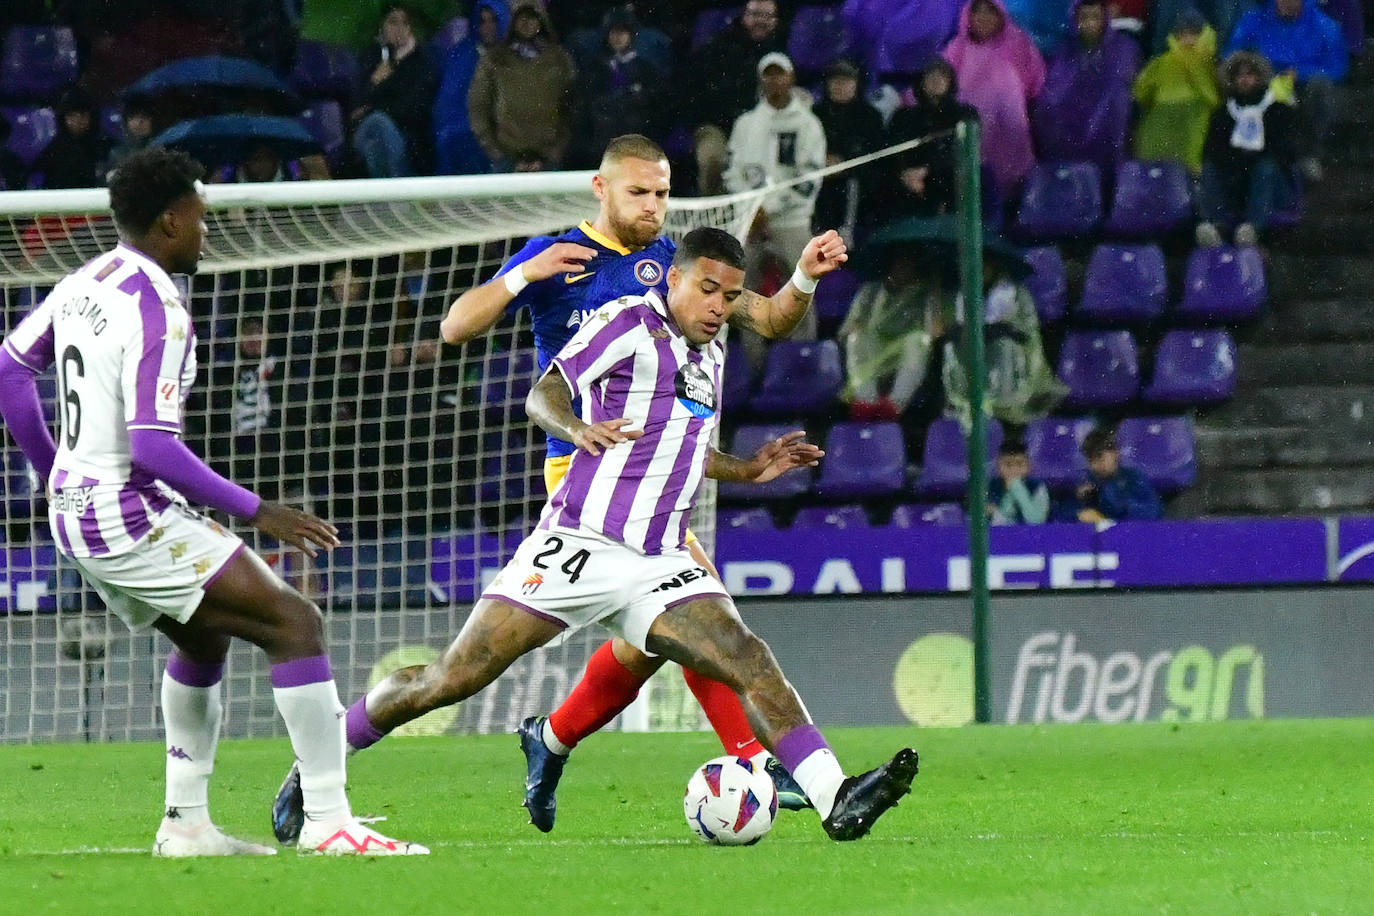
(648, 272)
(695, 390)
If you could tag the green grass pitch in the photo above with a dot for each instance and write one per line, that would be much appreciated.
(1243, 817)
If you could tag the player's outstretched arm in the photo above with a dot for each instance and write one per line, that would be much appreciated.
(477, 310)
(23, 413)
(549, 405)
(291, 526)
(775, 317)
(783, 454)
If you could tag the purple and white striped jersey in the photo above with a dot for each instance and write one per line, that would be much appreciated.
(126, 357)
(630, 360)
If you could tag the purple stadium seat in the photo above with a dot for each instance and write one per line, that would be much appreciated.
(37, 62)
(509, 378)
(1161, 448)
(1125, 284)
(1222, 284)
(1047, 284)
(1193, 367)
(325, 121)
(820, 518)
(1151, 199)
(31, 130)
(756, 519)
(1054, 445)
(835, 294)
(1060, 201)
(801, 377)
(944, 462)
(862, 460)
(323, 70)
(737, 384)
(747, 441)
(1100, 368)
(818, 38)
(918, 515)
(711, 22)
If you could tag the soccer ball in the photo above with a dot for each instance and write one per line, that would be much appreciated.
(730, 802)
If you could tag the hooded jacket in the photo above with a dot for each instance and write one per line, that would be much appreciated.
(1177, 92)
(1279, 119)
(452, 126)
(1311, 44)
(771, 144)
(928, 116)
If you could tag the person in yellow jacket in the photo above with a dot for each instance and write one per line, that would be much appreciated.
(1177, 92)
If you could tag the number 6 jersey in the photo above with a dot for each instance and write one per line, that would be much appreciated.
(125, 353)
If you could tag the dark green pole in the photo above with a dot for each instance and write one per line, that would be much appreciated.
(971, 272)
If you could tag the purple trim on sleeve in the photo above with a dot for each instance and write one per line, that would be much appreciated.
(301, 671)
(798, 744)
(23, 412)
(192, 673)
(39, 356)
(167, 458)
(359, 728)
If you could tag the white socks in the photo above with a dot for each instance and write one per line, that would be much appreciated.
(552, 743)
(191, 714)
(309, 703)
(820, 776)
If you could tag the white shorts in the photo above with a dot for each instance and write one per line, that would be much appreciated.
(575, 580)
(166, 573)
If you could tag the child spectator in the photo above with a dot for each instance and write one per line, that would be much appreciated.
(1014, 497)
(137, 123)
(1112, 491)
(1177, 93)
(624, 94)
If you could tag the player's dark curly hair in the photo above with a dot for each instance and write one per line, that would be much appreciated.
(147, 183)
(708, 242)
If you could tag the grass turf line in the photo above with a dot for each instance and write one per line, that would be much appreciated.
(1273, 816)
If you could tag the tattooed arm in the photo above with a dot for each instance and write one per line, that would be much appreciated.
(775, 317)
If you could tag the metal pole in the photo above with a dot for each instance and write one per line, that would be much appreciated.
(971, 272)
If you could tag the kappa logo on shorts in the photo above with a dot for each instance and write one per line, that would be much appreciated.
(648, 272)
(682, 579)
(531, 584)
(177, 550)
(156, 535)
(201, 566)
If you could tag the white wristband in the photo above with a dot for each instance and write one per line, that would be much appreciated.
(515, 279)
(802, 282)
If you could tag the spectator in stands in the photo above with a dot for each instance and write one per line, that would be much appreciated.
(1045, 21)
(712, 104)
(1085, 110)
(999, 73)
(263, 164)
(1251, 143)
(1112, 492)
(780, 139)
(1305, 45)
(624, 94)
(457, 150)
(76, 156)
(894, 36)
(922, 182)
(136, 121)
(1014, 497)
(1177, 93)
(887, 344)
(14, 175)
(521, 100)
(852, 128)
(393, 132)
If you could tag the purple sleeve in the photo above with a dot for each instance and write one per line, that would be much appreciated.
(23, 413)
(167, 458)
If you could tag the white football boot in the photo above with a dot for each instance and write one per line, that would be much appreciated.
(176, 840)
(353, 838)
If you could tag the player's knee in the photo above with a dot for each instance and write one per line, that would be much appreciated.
(302, 620)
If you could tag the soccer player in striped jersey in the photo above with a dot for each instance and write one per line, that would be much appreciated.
(563, 281)
(611, 547)
(117, 484)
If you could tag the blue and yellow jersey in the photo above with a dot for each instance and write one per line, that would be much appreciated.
(558, 305)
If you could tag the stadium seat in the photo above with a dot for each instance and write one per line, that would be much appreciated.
(1124, 284)
(31, 130)
(835, 294)
(1193, 367)
(862, 460)
(323, 70)
(37, 62)
(737, 384)
(1047, 284)
(1222, 284)
(1054, 446)
(821, 518)
(747, 441)
(1151, 199)
(1060, 201)
(509, 378)
(919, 515)
(818, 38)
(711, 22)
(1161, 448)
(756, 519)
(325, 121)
(944, 461)
(1100, 368)
(801, 377)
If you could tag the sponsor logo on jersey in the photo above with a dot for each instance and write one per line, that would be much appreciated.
(531, 584)
(648, 272)
(573, 278)
(695, 391)
(682, 579)
(168, 399)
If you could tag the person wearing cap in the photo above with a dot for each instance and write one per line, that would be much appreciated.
(777, 141)
(1112, 491)
(852, 128)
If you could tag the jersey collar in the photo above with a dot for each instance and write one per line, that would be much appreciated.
(162, 281)
(600, 239)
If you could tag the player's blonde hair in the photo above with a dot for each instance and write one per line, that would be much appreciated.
(631, 146)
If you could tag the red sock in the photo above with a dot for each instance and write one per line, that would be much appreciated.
(606, 688)
(726, 714)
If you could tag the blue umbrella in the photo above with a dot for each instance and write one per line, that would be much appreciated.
(230, 138)
(197, 75)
